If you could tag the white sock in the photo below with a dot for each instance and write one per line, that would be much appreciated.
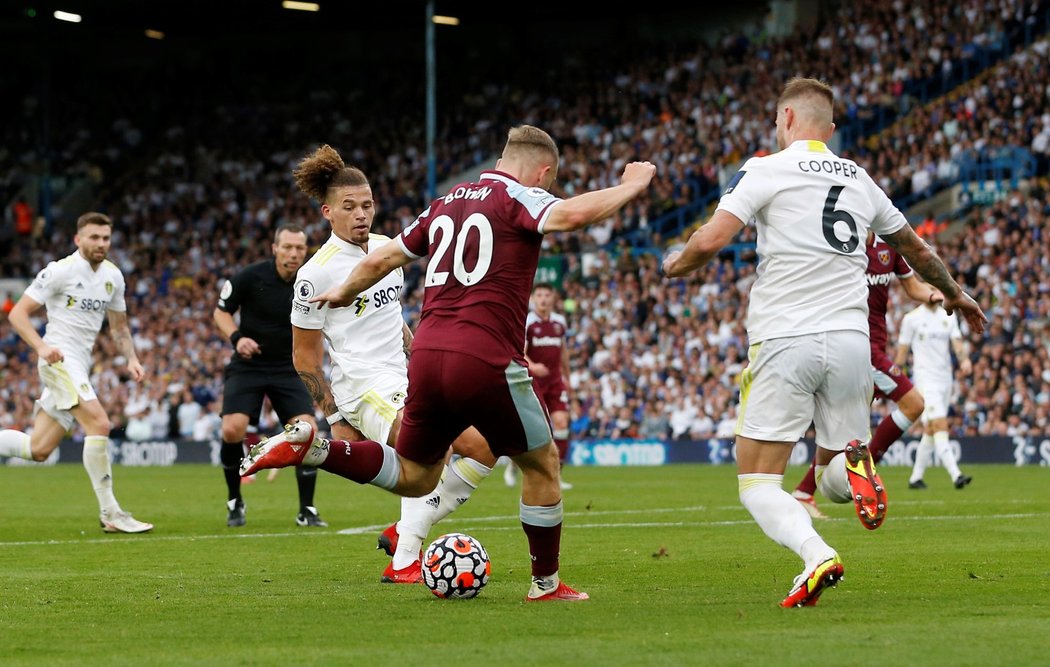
(833, 481)
(457, 487)
(946, 454)
(459, 479)
(543, 585)
(417, 516)
(923, 458)
(96, 462)
(781, 517)
(15, 444)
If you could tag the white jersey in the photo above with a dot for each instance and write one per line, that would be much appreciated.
(929, 333)
(366, 338)
(812, 211)
(77, 298)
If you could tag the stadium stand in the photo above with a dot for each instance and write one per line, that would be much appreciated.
(951, 90)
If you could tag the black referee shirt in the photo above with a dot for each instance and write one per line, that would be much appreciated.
(265, 303)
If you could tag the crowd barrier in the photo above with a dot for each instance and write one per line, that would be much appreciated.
(1027, 450)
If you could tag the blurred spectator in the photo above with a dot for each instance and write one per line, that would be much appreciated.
(208, 423)
(23, 215)
(187, 412)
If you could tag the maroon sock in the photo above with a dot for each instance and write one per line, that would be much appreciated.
(563, 448)
(357, 461)
(809, 482)
(885, 435)
(544, 545)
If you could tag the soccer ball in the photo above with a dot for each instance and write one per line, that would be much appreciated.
(456, 566)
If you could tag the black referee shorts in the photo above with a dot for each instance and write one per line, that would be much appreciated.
(244, 388)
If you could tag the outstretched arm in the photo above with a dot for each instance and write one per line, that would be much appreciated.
(704, 244)
(920, 291)
(590, 207)
(121, 333)
(367, 273)
(925, 261)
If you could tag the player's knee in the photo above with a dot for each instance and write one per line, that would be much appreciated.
(40, 455)
(913, 406)
(230, 433)
(471, 444)
(543, 466)
(560, 422)
(101, 426)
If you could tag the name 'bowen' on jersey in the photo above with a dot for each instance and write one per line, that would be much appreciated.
(468, 193)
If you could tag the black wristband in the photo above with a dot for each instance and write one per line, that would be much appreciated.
(234, 337)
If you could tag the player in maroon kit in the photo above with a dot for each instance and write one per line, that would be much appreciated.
(468, 364)
(890, 383)
(548, 359)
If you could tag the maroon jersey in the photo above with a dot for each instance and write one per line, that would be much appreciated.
(484, 241)
(544, 342)
(883, 263)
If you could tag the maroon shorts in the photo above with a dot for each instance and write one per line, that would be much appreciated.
(890, 380)
(449, 391)
(554, 395)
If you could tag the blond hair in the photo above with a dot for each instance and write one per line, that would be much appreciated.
(530, 144)
(803, 87)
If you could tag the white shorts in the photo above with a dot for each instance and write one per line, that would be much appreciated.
(66, 385)
(937, 396)
(375, 408)
(823, 378)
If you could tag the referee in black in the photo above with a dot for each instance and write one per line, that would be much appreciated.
(261, 365)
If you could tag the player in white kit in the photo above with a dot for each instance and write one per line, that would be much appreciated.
(368, 344)
(78, 293)
(931, 334)
(809, 355)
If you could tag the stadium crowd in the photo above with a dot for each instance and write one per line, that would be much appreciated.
(650, 357)
(1002, 115)
(694, 109)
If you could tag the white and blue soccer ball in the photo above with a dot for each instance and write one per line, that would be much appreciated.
(456, 566)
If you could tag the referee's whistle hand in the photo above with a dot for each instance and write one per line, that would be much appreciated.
(247, 347)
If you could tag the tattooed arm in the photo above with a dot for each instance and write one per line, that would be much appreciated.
(308, 358)
(121, 334)
(927, 264)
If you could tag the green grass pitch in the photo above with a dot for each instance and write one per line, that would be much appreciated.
(677, 571)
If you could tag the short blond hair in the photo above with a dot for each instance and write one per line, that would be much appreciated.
(803, 87)
(527, 142)
(810, 98)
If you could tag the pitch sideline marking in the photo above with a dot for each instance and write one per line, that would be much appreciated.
(363, 530)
